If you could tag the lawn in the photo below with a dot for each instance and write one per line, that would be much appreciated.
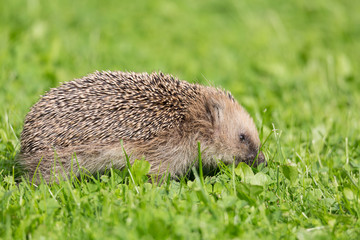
(294, 65)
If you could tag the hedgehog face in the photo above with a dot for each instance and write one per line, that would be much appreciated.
(235, 134)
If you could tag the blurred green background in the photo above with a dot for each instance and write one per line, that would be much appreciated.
(268, 53)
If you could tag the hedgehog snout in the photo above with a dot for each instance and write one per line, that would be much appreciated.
(261, 159)
(249, 159)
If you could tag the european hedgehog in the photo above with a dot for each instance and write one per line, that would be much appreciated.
(87, 124)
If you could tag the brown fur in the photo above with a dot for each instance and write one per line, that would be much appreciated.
(156, 116)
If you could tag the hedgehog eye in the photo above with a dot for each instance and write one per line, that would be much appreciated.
(242, 137)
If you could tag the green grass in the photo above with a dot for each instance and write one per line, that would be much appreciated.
(294, 65)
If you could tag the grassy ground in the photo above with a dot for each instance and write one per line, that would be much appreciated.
(293, 64)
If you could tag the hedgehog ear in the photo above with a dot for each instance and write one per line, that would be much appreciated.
(213, 111)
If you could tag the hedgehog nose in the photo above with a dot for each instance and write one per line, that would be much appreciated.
(261, 159)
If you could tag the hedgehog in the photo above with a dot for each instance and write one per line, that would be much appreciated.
(96, 122)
